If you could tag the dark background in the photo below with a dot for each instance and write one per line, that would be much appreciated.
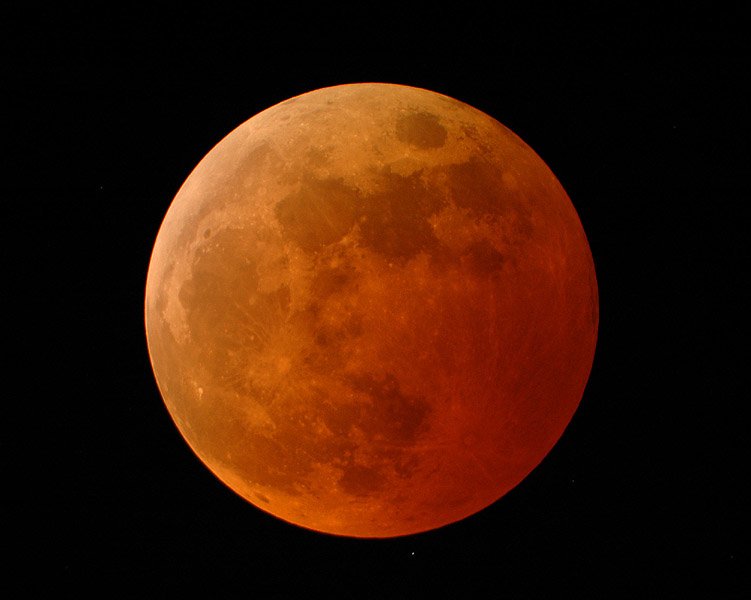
(637, 113)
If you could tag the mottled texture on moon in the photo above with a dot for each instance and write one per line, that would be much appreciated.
(371, 310)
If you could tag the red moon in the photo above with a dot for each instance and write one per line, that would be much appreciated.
(371, 310)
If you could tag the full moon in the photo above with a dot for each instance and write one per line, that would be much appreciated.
(371, 310)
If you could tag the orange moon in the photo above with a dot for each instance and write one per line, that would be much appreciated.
(371, 310)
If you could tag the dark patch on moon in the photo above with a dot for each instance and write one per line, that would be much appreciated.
(391, 414)
(339, 417)
(320, 213)
(405, 464)
(257, 458)
(474, 185)
(394, 222)
(482, 258)
(328, 281)
(359, 480)
(421, 129)
(333, 335)
(391, 422)
(478, 187)
(318, 156)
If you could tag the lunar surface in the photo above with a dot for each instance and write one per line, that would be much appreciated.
(371, 310)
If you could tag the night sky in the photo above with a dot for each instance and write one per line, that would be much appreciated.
(637, 115)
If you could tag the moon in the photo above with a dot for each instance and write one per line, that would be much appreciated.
(371, 310)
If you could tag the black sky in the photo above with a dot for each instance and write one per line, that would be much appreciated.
(636, 112)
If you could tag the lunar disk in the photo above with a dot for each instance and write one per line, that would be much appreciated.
(371, 310)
